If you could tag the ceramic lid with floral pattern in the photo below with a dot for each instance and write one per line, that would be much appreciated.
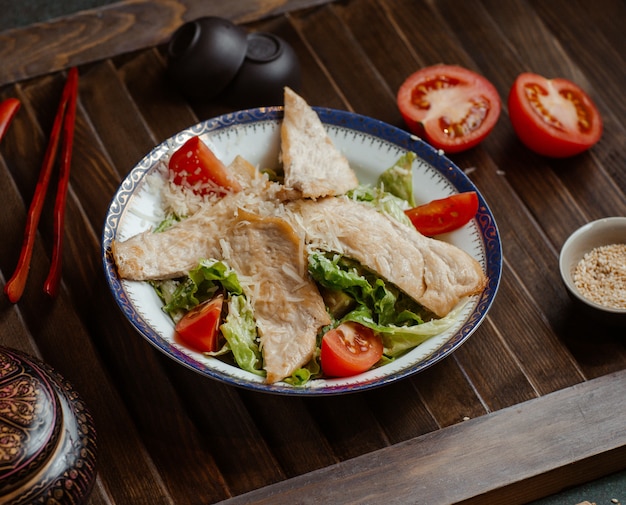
(47, 437)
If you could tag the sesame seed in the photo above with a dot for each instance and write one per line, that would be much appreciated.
(600, 276)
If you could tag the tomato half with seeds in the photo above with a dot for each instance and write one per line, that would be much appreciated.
(553, 117)
(449, 106)
(445, 214)
(349, 349)
(196, 166)
(199, 328)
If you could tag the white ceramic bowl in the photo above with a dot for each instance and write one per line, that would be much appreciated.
(370, 146)
(606, 231)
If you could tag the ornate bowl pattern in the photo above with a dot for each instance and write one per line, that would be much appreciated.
(47, 436)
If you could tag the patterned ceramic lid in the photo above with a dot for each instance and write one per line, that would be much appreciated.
(47, 438)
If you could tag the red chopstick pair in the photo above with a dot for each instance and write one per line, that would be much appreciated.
(63, 125)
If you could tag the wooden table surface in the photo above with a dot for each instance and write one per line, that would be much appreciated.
(532, 403)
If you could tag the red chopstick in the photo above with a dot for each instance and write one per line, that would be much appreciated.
(14, 288)
(8, 109)
(51, 285)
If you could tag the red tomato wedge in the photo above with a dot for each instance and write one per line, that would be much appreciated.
(197, 167)
(444, 215)
(451, 107)
(199, 328)
(553, 117)
(349, 349)
(8, 109)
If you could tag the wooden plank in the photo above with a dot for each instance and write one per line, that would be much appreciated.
(493, 368)
(348, 424)
(115, 29)
(511, 456)
(130, 359)
(144, 77)
(446, 393)
(551, 191)
(376, 32)
(349, 69)
(289, 426)
(586, 187)
(227, 432)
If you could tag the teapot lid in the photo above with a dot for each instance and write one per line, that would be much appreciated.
(46, 434)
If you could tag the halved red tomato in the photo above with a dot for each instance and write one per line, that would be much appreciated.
(196, 166)
(553, 117)
(451, 107)
(199, 328)
(445, 214)
(350, 349)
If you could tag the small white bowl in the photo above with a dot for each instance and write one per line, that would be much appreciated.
(606, 231)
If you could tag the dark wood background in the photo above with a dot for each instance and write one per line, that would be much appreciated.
(531, 404)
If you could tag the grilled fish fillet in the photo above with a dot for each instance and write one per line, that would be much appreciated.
(436, 274)
(174, 252)
(313, 166)
(288, 308)
(171, 254)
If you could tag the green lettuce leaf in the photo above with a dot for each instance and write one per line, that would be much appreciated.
(398, 339)
(398, 179)
(393, 193)
(239, 327)
(383, 201)
(402, 323)
(385, 304)
(169, 221)
(401, 339)
(311, 370)
(201, 284)
(239, 330)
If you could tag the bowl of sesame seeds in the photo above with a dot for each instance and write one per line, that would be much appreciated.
(593, 267)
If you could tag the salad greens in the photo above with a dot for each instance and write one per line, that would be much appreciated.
(398, 179)
(239, 330)
(168, 222)
(203, 283)
(398, 319)
(350, 291)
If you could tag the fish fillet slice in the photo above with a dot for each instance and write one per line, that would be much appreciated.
(313, 166)
(288, 307)
(172, 253)
(436, 274)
